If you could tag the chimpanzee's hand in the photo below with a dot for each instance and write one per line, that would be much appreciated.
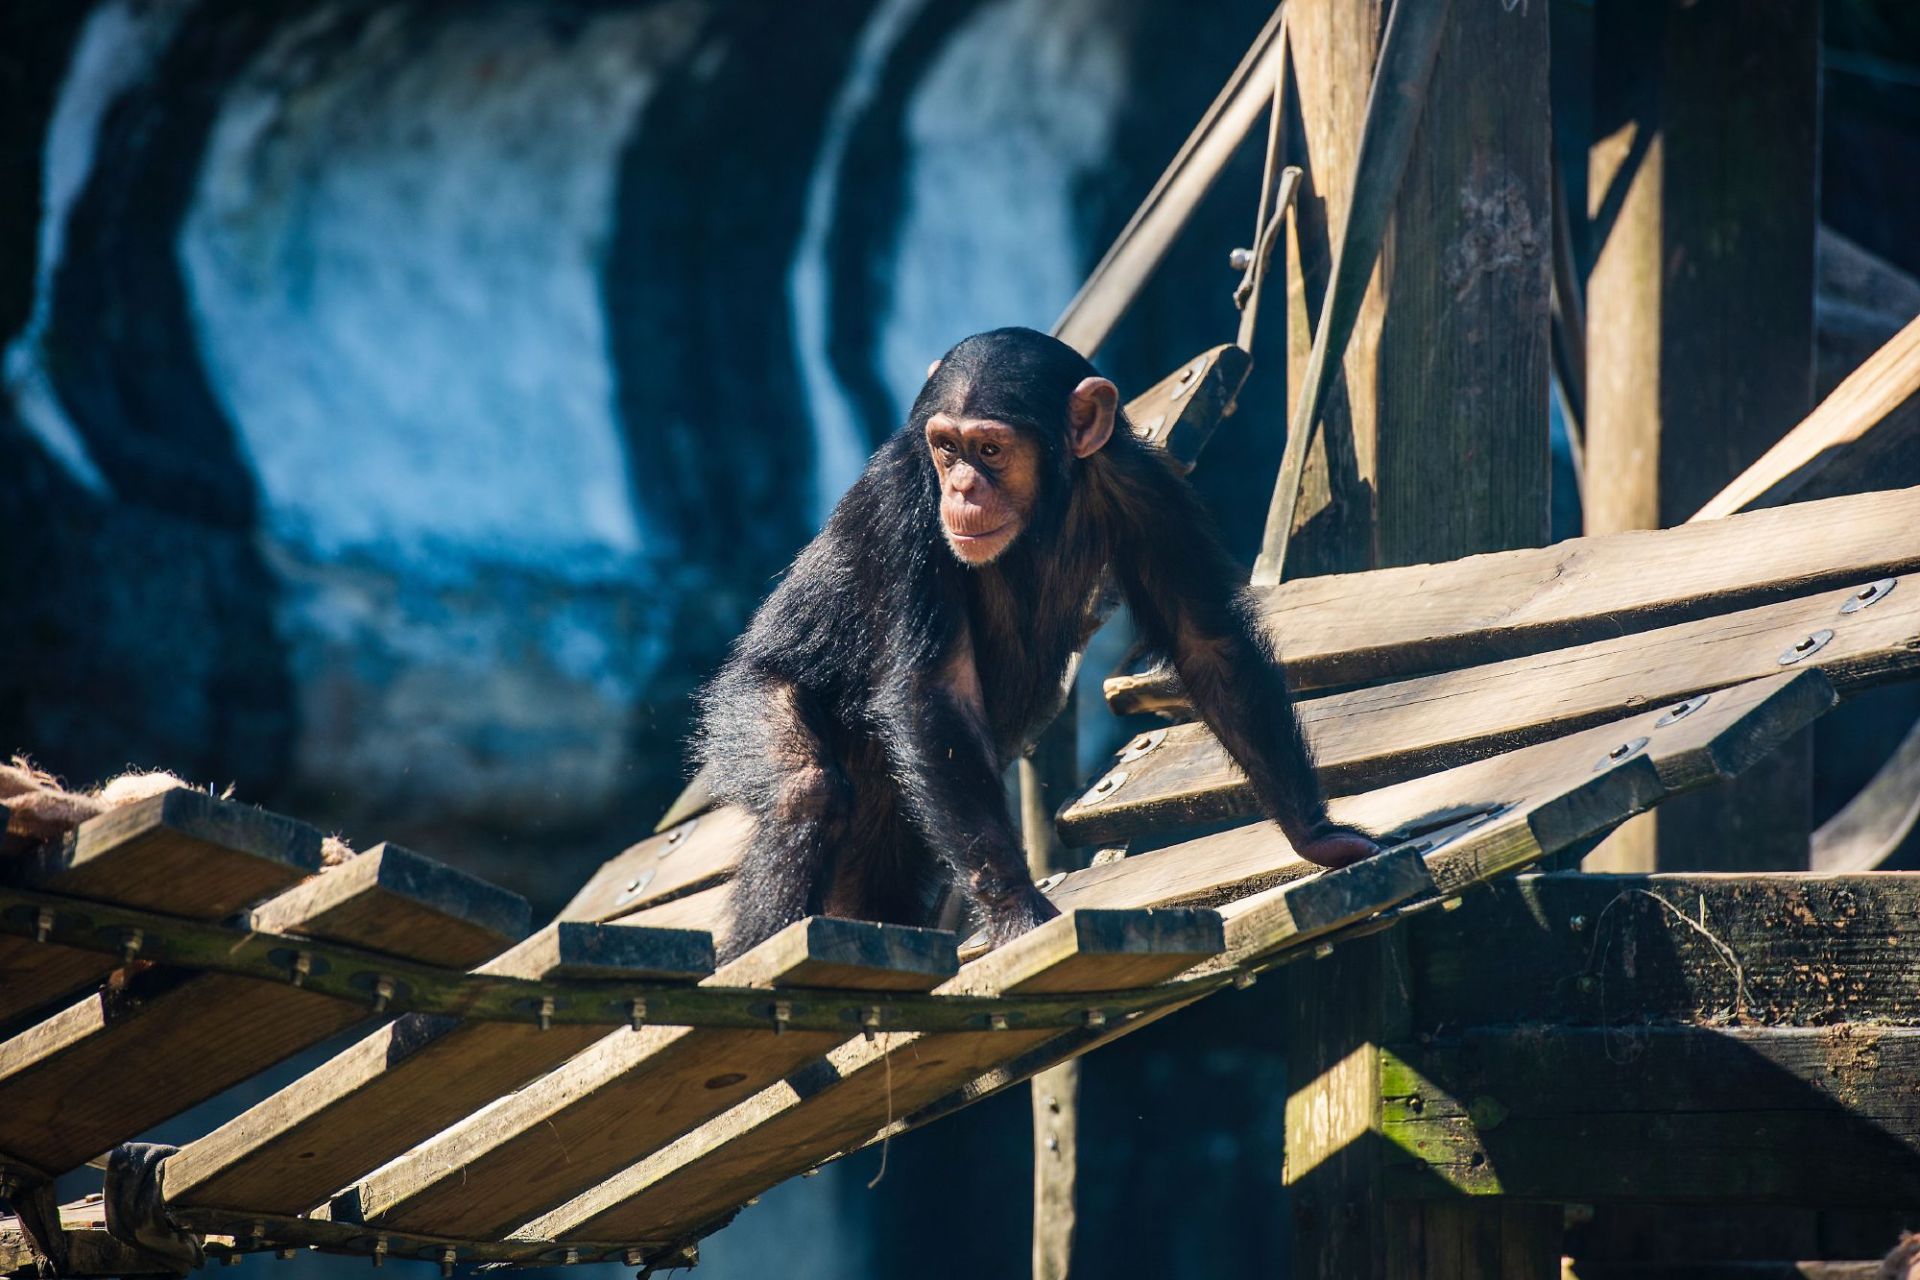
(1333, 844)
(1009, 917)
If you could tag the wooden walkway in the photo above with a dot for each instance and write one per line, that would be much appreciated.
(595, 1089)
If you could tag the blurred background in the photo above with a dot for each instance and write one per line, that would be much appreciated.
(406, 401)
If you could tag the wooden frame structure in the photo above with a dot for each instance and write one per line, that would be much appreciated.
(597, 1090)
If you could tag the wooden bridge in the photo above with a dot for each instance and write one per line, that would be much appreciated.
(1473, 1048)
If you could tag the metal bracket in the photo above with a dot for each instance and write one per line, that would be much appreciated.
(1872, 593)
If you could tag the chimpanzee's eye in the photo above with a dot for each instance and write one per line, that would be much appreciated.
(989, 450)
(945, 446)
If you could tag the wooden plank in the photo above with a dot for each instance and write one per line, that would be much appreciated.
(161, 1040)
(412, 1077)
(1392, 623)
(1373, 737)
(1877, 823)
(634, 1091)
(673, 863)
(838, 1101)
(1179, 413)
(1819, 1117)
(181, 852)
(1864, 434)
(1565, 801)
(1814, 950)
(389, 895)
(1448, 364)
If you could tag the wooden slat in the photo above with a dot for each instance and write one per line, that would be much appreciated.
(1373, 737)
(635, 1091)
(1690, 1115)
(412, 1077)
(1866, 432)
(675, 863)
(1179, 413)
(1879, 821)
(181, 852)
(1391, 623)
(163, 1039)
(839, 1100)
(1559, 800)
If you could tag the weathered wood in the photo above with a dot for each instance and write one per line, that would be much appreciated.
(634, 1091)
(1453, 373)
(1863, 435)
(1373, 737)
(1525, 795)
(1392, 623)
(160, 1040)
(1812, 950)
(1585, 1269)
(1697, 361)
(410, 1078)
(1113, 284)
(838, 1101)
(1689, 1115)
(390, 899)
(1179, 413)
(1731, 729)
(1879, 821)
(181, 852)
(1056, 1169)
(676, 862)
(705, 909)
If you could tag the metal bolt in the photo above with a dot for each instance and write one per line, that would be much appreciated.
(637, 1013)
(570, 1257)
(1053, 1104)
(678, 835)
(1322, 951)
(546, 1013)
(1149, 428)
(380, 1251)
(782, 1014)
(1244, 979)
(1452, 904)
(997, 1022)
(1240, 259)
(1578, 924)
(1189, 379)
(1110, 784)
(1141, 745)
(447, 1256)
(382, 993)
(1872, 593)
(284, 1254)
(233, 1257)
(633, 1257)
(1681, 710)
(1624, 751)
(1416, 1104)
(43, 924)
(870, 1023)
(811, 1173)
(1053, 1143)
(752, 1200)
(130, 949)
(1096, 1019)
(302, 966)
(1806, 647)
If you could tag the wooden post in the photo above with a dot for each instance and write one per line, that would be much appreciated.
(1434, 446)
(1702, 197)
(1048, 777)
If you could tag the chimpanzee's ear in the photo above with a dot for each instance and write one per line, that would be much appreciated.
(1090, 413)
(933, 369)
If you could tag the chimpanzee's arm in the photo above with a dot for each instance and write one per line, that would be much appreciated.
(934, 732)
(1184, 592)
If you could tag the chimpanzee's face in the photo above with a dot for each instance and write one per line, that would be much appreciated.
(989, 481)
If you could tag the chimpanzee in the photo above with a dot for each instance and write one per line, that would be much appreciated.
(918, 643)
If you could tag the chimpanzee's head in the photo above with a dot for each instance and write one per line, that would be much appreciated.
(1006, 414)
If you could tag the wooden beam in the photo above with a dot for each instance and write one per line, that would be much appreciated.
(1447, 369)
(837, 1102)
(410, 1078)
(1879, 822)
(1812, 951)
(1863, 435)
(1373, 737)
(1364, 628)
(1698, 362)
(181, 852)
(634, 1091)
(1809, 1116)
(161, 1039)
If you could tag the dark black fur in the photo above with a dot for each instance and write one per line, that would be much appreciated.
(833, 722)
